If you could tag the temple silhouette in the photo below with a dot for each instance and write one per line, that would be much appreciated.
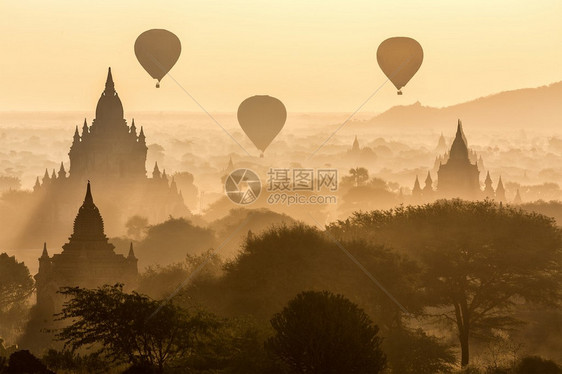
(109, 148)
(358, 155)
(458, 173)
(113, 156)
(87, 260)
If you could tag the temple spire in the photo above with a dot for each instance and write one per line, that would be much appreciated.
(488, 179)
(156, 172)
(142, 138)
(489, 192)
(45, 254)
(229, 167)
(85, 129)
(88, 224)
(428, 188)
(62, 171)
(355, 147)
(428, 180)
(133, 128)
(459, 149)
(131, 255)
(88, 199)
(416, 191)
(517, 199)
(109, 85)
(500, 191)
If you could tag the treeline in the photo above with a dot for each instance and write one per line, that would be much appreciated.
(469, 275)
(422, 289)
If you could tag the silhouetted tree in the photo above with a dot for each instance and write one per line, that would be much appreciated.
(319, 332)
(283, 261)
(534, 364)
(23, 362)
(415, 352)
(16, 283)
(479, 259)
(136, 226)
(8, 182)
(359, 176)
(172, 240)
(160, 281)
(237, 347)
(256, 220)
(126, 328)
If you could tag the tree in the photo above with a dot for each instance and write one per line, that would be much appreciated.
(359, 176)
(16, 283)
(319, 332)
(415, 352)
(72, 362)
(237, 347)
(283, 261)
(24, 362)
(170, 241)
(160, 281)
(126, 327)
(136, 226)
(257, 220)
(8, 182)
(534, 364)
(479, 260)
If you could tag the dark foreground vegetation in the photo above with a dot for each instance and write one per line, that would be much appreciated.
(474, 287)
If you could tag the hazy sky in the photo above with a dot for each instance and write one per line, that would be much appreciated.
(313, 55)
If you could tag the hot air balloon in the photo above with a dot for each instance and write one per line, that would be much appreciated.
(400, 58)
(262, 117)
(157, 51)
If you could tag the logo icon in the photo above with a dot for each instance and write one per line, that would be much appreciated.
(242, 186)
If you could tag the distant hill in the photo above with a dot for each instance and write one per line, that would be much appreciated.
(522, 108)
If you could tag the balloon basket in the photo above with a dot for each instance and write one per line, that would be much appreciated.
(399, 92)
(157, 84)
(261, 155)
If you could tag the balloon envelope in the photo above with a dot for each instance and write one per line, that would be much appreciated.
(262, 118)
(400, 58)
(157, 51)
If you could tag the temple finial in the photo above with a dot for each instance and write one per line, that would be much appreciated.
(62, 171)
(45, 254)
(88, 199)
(109, 85)
(156, 172)
(131, 255)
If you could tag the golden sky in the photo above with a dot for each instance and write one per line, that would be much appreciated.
(315, 56)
